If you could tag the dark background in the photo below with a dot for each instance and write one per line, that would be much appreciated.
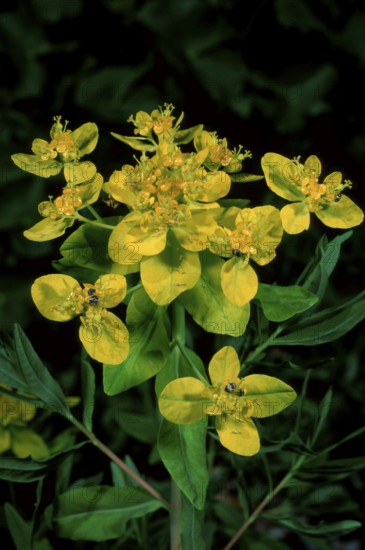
(285, 76)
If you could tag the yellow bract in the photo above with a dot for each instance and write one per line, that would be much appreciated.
(255, 235)
(232, 400)
(14, 435)
(61, 298)
(300, 183)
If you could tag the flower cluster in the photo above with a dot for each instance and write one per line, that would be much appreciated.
(299, 183)
(233, 401)
(175, 214)
(83, 183)
(61, 298)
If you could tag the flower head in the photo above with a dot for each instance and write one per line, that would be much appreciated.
(233, 401)
(300, 184)
(66, 147)
(15, 436)
(247, 234)
(61, 298)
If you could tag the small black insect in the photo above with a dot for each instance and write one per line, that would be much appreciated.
(338, 197)
(230, 387)
(240, 393)
(237, 252)
(93, 301)
(91, 291)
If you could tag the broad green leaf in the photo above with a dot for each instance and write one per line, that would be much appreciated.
(168, 274)
(182, 449)
(279, 303)
(20, 529)
(325, 326)
(238, 203)
(88, 391)
(208, 305)
(88, 247)
(137, 143)
(149, 345)
(34, 165)
(317, 272)
(99, 513)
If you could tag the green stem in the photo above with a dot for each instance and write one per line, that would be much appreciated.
(93, 212)
(93, 222)
(271, 494)
(182, 349)
(175, 540)
(178, 322)
(108, 452)
(256, 352)
(133, 288)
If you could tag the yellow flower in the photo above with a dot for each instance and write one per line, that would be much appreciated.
(172, 197)
(232, 400)
(61, 298)
(14, 434)
(250, 233)
(60, 213)
(300, 184)
(219, 156)
(66, 147)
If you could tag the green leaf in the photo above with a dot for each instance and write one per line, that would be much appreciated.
(48, 229)
(138, 143)
(34, 165)
(86, 137)
(88, 391)
(99, 513)
(239, 203)
(282, 302)
(88, 247)
(193, 533)
(24, 470)
(182, 447)
(20, 530)
(208, 305)
(184, 136)
(321, 530)
(149, 340)
(322, 414)
(326, 325)
(317, 272)
(24, 371)
(243, 178)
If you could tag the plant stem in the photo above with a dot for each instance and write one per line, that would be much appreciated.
(93, 222)
(93, 212)
(108, 452)
(175, 540)
(178, 336)
(271, 494)
(251, 356)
